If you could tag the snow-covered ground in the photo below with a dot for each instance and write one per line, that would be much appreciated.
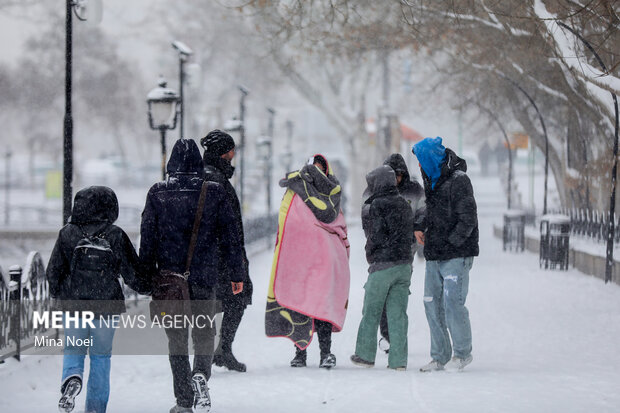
(544, 341)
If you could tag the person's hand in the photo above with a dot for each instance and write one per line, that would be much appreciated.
(237, 287)
(419, 236)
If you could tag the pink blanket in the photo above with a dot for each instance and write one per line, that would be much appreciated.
(312, 267)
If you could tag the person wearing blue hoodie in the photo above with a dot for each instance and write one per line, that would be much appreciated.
(166, 228)
(449, 233)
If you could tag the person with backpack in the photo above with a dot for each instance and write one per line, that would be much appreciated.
(90, 258)
(186, 223)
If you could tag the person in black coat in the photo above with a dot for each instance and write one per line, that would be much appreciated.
(413, 192)
(449, 233)
(387, 220)
(408, 188)
(92, 283)
(167, 223)
(219, 152)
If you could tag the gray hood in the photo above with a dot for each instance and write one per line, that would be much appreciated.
(381, 180)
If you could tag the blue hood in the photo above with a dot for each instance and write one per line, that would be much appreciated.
(431, 154)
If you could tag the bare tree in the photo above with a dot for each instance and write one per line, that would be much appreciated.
(482, 50)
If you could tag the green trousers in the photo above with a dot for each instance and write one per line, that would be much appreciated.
(390, 288)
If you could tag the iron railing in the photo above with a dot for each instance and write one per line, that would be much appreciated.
(260, 227)
(22, 292)
(590, 224)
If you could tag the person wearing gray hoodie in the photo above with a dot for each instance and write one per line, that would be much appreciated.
(387, 220)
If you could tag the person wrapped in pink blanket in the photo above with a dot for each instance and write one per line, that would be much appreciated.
(309, 286)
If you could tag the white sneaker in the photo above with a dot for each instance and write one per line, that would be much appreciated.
(458, 363)
(384, 345)
(434, 365)
(202, 400)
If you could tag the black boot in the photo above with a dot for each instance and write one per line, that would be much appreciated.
(300, 358)
(233, 312)
(229, 361)
(327, 361)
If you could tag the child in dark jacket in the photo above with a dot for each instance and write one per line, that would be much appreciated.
(387, 220)
(84, 270)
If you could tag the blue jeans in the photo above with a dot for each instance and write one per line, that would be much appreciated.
(98, 389)
(446, 284)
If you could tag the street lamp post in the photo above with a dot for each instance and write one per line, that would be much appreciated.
(614, 170)
(93, 13)
(67, 190)
(244, 93)
(238, 125)
(264, 147)
(7, 186)
(544, 128)
(272, 114)
(494, 117)
(289, 142)
(163, 104)
(184, 53)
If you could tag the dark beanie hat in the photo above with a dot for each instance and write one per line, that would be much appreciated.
(217, 142)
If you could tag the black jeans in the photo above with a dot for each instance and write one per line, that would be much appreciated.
(383, 326)
(233, 312)
(203, 340)
(324, 331)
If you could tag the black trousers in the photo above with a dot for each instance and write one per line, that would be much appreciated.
(203, 340)
(233, 313)
(324, 332)
(383, 326)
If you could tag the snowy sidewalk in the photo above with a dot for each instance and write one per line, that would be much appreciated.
(544, 341)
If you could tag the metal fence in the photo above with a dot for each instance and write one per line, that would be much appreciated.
(590, 224)
(24, 291)
(128, 217)
(260, 227)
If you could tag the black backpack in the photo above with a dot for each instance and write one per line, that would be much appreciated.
(94, 268)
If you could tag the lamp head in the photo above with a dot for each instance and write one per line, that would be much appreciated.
(182, 48)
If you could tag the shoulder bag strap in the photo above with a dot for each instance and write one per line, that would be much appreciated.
(197, 219)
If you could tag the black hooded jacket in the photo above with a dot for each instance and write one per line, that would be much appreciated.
(451, 223)
(220, 170)
(387, 220)
(410, 189)
(95, 209)
(168, 218)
